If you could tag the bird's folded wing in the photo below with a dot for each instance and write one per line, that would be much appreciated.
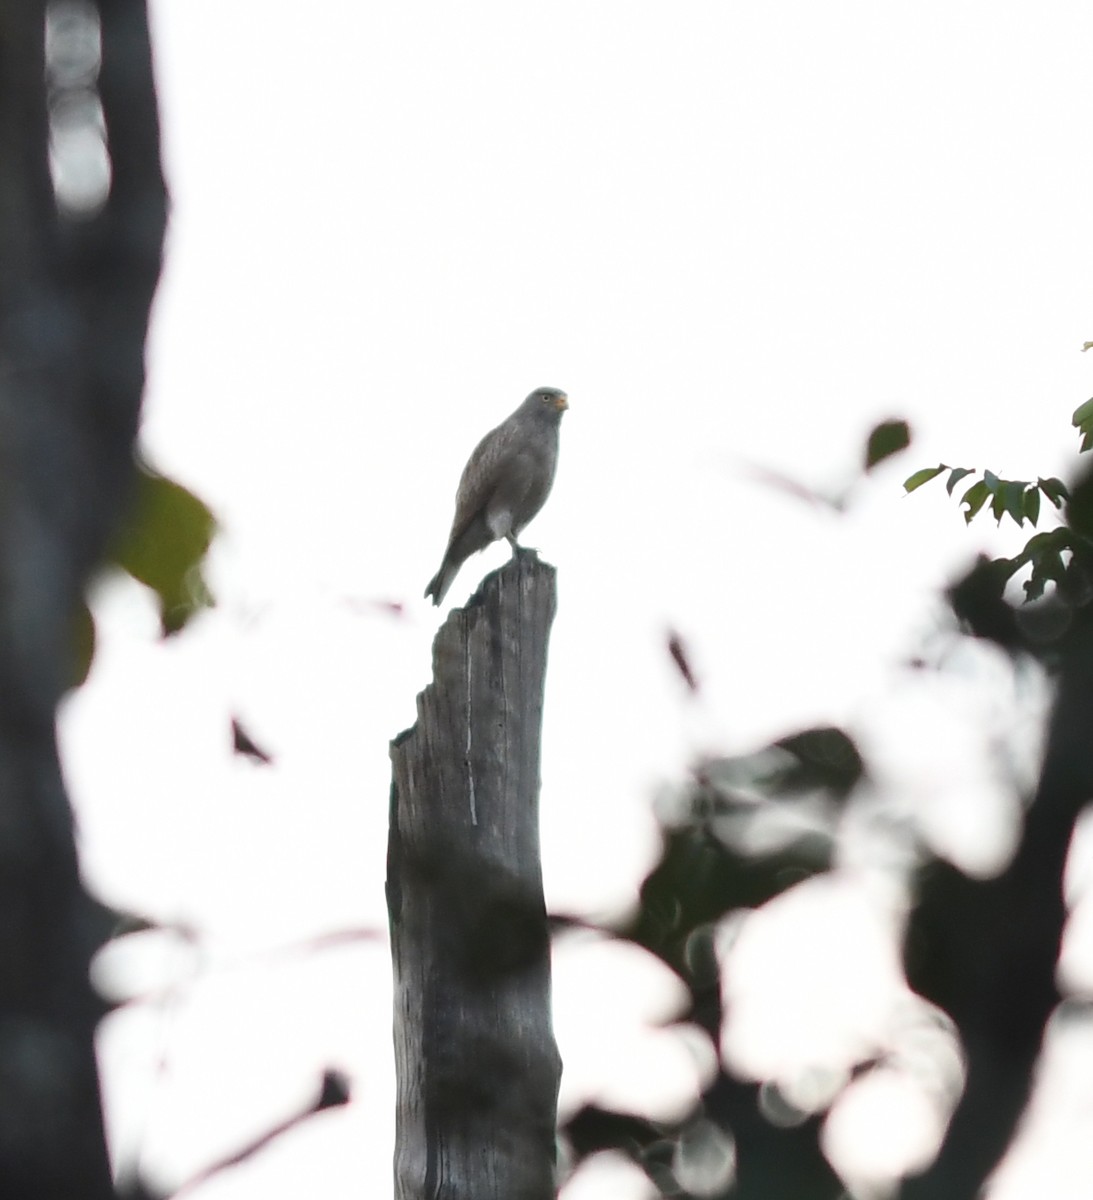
(481, 475)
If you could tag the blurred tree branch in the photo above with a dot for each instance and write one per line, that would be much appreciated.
(987, 950)
(75, 293)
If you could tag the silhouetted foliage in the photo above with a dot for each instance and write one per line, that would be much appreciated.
(244, 745)
(789, 792)
(887, 438)
(982, 950)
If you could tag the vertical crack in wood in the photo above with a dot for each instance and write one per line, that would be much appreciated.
(468, 661)
(476, 1062)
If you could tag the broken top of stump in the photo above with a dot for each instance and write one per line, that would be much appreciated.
(512, 610)
(476, 1061)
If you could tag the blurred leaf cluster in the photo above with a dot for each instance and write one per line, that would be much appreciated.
(740, 832)
(162, 544)
(744, 829)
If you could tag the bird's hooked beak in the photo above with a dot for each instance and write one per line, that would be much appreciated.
(561, 402)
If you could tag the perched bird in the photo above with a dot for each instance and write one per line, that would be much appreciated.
(504, 484)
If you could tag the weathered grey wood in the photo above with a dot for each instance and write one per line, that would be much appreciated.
(477, 1065)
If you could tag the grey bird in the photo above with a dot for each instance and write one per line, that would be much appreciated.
(504, 484)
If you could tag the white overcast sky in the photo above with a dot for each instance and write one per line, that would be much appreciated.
(736, 234)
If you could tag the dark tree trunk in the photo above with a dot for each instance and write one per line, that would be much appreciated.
(477, 1065)
(986, 950)
(74, 302)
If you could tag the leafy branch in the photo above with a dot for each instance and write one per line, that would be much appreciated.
(1051, 554)
(1017, 497)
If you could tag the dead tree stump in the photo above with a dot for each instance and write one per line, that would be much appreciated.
(476, 1061)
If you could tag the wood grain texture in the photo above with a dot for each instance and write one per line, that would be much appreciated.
(477, 1066)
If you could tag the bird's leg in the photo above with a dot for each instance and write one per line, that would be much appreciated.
(516, 547)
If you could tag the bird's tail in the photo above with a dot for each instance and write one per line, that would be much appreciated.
(441, 581)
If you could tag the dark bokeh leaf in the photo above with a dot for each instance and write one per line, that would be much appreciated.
(677, 651)
(335, 1090)
(83, 644)
(924, 476)
(886, 439)
(593, 1129)
(699, 879)
(244, 744)
(1032, 505)
(978, 602)
(163, 543)
(826, 758)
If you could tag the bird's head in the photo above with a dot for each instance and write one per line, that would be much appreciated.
(548, 402)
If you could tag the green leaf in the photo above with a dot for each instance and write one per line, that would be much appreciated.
(975, 497)
(163, 544)
(887, 438)
(924, 476)
(1013, 498)
(956, 475)
(1087, 346)
(1055, 490)
(1082, 420)
(1044, 552)
(1041, 543)
(1032, 504)
(992, 481)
